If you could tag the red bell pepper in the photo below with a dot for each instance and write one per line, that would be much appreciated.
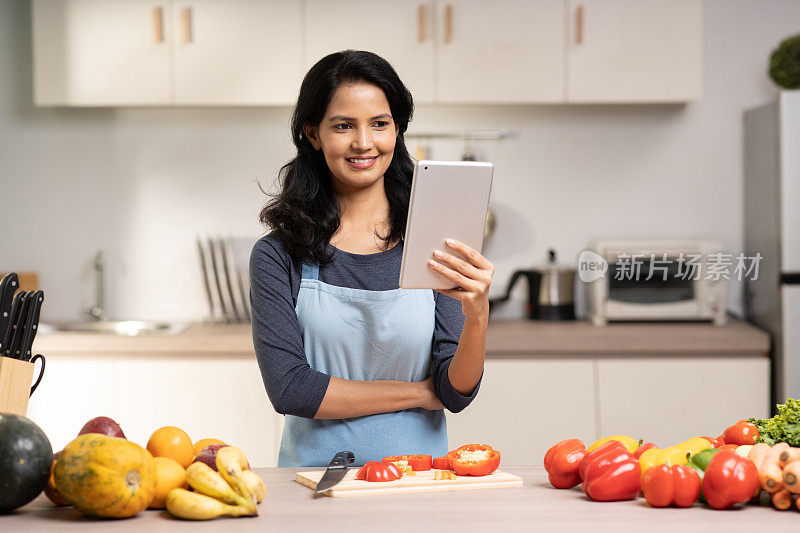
(586, 460)
(729, 479)
(562, 462)
(418, 463)
(643, 448)
(716, 443)
(665, 485)
(378, 471)
(441, 463)
(611, 473)
(474, 460)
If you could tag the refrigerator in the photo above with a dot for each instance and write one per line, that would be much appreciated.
(772, 228)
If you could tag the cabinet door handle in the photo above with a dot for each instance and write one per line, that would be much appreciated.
(158, 24)
(186, 24)
(579, 24)
(421, 23)
(448, 23)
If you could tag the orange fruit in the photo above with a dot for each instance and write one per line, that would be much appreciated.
(202, 443)
(170, 475)
(171, 442)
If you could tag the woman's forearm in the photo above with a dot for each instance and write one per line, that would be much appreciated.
(466, 367)
(346, 398)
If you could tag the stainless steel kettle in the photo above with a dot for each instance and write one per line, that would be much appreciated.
(551, 289)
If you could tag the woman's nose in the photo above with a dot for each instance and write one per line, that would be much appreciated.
(363, 140)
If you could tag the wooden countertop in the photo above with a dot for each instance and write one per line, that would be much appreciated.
(504, 339)
(536, 506)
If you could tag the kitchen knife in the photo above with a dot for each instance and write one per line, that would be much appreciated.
(228, 274)
(206, 278)
(16, 306)
(212, 247)
(31, 324)
(15, 346)
(8, 286)
(336, 471)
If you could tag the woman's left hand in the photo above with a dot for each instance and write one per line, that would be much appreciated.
(473, 278)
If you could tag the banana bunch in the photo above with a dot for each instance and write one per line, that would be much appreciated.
(233, 491)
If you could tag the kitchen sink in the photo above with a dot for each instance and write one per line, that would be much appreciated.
(116, 327)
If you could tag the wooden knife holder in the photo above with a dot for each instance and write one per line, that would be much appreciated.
(15, 385)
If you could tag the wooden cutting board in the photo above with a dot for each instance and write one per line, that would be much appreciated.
(421, 482)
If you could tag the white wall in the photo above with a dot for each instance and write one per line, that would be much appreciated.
(142, 183)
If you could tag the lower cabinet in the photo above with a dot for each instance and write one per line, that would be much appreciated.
(668, 400)
(206, 397)
(526, 405)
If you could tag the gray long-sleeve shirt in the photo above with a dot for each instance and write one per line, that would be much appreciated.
(293, 387)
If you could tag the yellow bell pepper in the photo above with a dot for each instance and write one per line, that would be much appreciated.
(629, 442)
(675, 455)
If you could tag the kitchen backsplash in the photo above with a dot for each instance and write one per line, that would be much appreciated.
(142, 183)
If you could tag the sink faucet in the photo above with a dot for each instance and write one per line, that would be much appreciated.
(98, 310)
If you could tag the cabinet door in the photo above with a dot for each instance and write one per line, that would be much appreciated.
(400, 32)
(527, 405)
(635, 50)
(72, 392)
(101, 52)
(669, 400)
(237, 52)
(504, 51)
(219, 397)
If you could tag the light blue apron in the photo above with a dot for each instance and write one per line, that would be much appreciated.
(364, 335)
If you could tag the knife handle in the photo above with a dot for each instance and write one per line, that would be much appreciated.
(342, 460)
(8, 286)
(16, 307)
(31, 324)
(15, 346)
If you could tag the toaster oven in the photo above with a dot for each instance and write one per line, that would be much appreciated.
(656, 280)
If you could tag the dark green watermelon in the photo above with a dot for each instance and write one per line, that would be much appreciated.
(25, 457)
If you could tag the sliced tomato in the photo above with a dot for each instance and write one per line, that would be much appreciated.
(474, 460)
(418, 463)
(378, 471)
(441, 463)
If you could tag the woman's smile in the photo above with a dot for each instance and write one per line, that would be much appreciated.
(361, 163)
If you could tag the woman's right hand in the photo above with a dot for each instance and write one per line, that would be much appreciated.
(428, 399)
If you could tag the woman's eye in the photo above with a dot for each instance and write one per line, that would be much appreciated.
(381, 124)
(342, 126)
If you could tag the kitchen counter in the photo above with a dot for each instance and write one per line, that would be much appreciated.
(504, 338)
(536, 506)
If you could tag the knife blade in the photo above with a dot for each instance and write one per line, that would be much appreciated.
(31, 324)
(336, 471)
(16, 307)
(8, 286)
(15, 346)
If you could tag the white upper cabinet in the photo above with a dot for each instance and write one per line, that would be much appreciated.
(237, 52)
(402, 32)
(101, 52)
(256, 52)
(635, 50)
(507, 51)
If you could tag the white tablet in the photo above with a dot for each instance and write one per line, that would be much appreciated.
(449, 200)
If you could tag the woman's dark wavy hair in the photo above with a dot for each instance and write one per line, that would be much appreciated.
(305, 213)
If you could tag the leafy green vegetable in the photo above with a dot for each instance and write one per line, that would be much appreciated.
(783, 427)
(784, 63)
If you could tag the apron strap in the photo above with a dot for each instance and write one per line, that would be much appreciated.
(310, 271)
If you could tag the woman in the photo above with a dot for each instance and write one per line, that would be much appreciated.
(354, 362)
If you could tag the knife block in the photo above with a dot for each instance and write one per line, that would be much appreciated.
(15, 385)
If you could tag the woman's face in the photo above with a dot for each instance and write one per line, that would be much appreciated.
(357, 136)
